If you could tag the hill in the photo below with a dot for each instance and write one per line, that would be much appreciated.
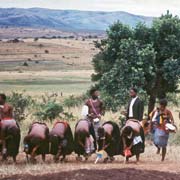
(66, 20)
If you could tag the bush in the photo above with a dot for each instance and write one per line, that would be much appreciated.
(36, 39)
(175, 139)
(21, 104)
(49, 111)
(46, 51)
(25, 64)
(41, 45)
(73, 101)
(122, 121)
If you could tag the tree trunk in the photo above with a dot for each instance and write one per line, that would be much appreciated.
(154, 92)
(151, 104)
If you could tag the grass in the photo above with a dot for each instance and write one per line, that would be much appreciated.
(62, 54)
(69, 82)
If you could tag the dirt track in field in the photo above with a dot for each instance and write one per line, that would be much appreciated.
(113, 174)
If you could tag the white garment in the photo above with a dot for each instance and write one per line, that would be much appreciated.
(137, 139)
(85, 111)
(155, 116)
(89, 144)
(131, 106)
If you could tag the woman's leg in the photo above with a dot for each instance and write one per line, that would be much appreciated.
(158, 150)
(163, 153)
(137, 157)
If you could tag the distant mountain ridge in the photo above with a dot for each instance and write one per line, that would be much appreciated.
(71, 20)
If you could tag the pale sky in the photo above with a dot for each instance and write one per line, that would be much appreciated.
(141, 7)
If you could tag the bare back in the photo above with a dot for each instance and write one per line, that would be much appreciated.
(134, 124)
(38, 130)
(59, 130)
(108, 128)
(83, 125)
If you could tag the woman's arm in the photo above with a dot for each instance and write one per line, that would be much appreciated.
(171, 117)
(124, 142)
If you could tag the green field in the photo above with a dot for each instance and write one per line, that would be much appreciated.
(37, 85)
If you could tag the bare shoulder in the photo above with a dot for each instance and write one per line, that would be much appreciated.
(168, 111)
(8, 106)
(101, 101)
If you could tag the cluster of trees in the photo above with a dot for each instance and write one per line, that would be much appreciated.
(144, 57)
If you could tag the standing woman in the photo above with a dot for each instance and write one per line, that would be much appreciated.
(95, 109)
(159, 117)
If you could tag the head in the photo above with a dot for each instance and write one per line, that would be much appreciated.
(94, 93)
(128, 132)
(133, 92)
(101, 132)
(162, 104)
(83, 141)
(2, 99)
(56, 142)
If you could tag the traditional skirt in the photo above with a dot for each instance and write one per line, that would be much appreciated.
(161, 138)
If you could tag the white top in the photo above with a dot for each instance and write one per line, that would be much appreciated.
(85, 111)
(131, 106)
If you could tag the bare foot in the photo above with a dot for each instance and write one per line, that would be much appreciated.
(78, 158)
(106, 160)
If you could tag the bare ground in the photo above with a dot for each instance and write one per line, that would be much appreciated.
(105, 174)
(150, 167)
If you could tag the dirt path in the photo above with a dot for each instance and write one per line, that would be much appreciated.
(113, 174)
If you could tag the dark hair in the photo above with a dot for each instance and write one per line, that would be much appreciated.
(127, 130)
(101, 132)
(3, 96)
(134, 89)
(163, 102)
(92, 90)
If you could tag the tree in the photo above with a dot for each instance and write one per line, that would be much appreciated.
(145, 57)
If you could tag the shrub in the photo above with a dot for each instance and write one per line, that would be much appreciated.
(73, 101)
(36, 39)
(25, 64)
(21, 104)
(49, 111)
(40, 45)
(46, 51)
(122, 121)
(175, 139)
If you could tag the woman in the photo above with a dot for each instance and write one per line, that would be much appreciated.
(159, 117)
(132, 139)
(109, 139)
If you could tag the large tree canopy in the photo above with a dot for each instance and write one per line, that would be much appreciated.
(145, 57)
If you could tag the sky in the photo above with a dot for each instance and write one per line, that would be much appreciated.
(140, 7)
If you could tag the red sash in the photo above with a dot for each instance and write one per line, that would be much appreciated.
(63, 122)
(5, 119)
(93, 108)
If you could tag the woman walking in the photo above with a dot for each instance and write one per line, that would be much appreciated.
(159, 119)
